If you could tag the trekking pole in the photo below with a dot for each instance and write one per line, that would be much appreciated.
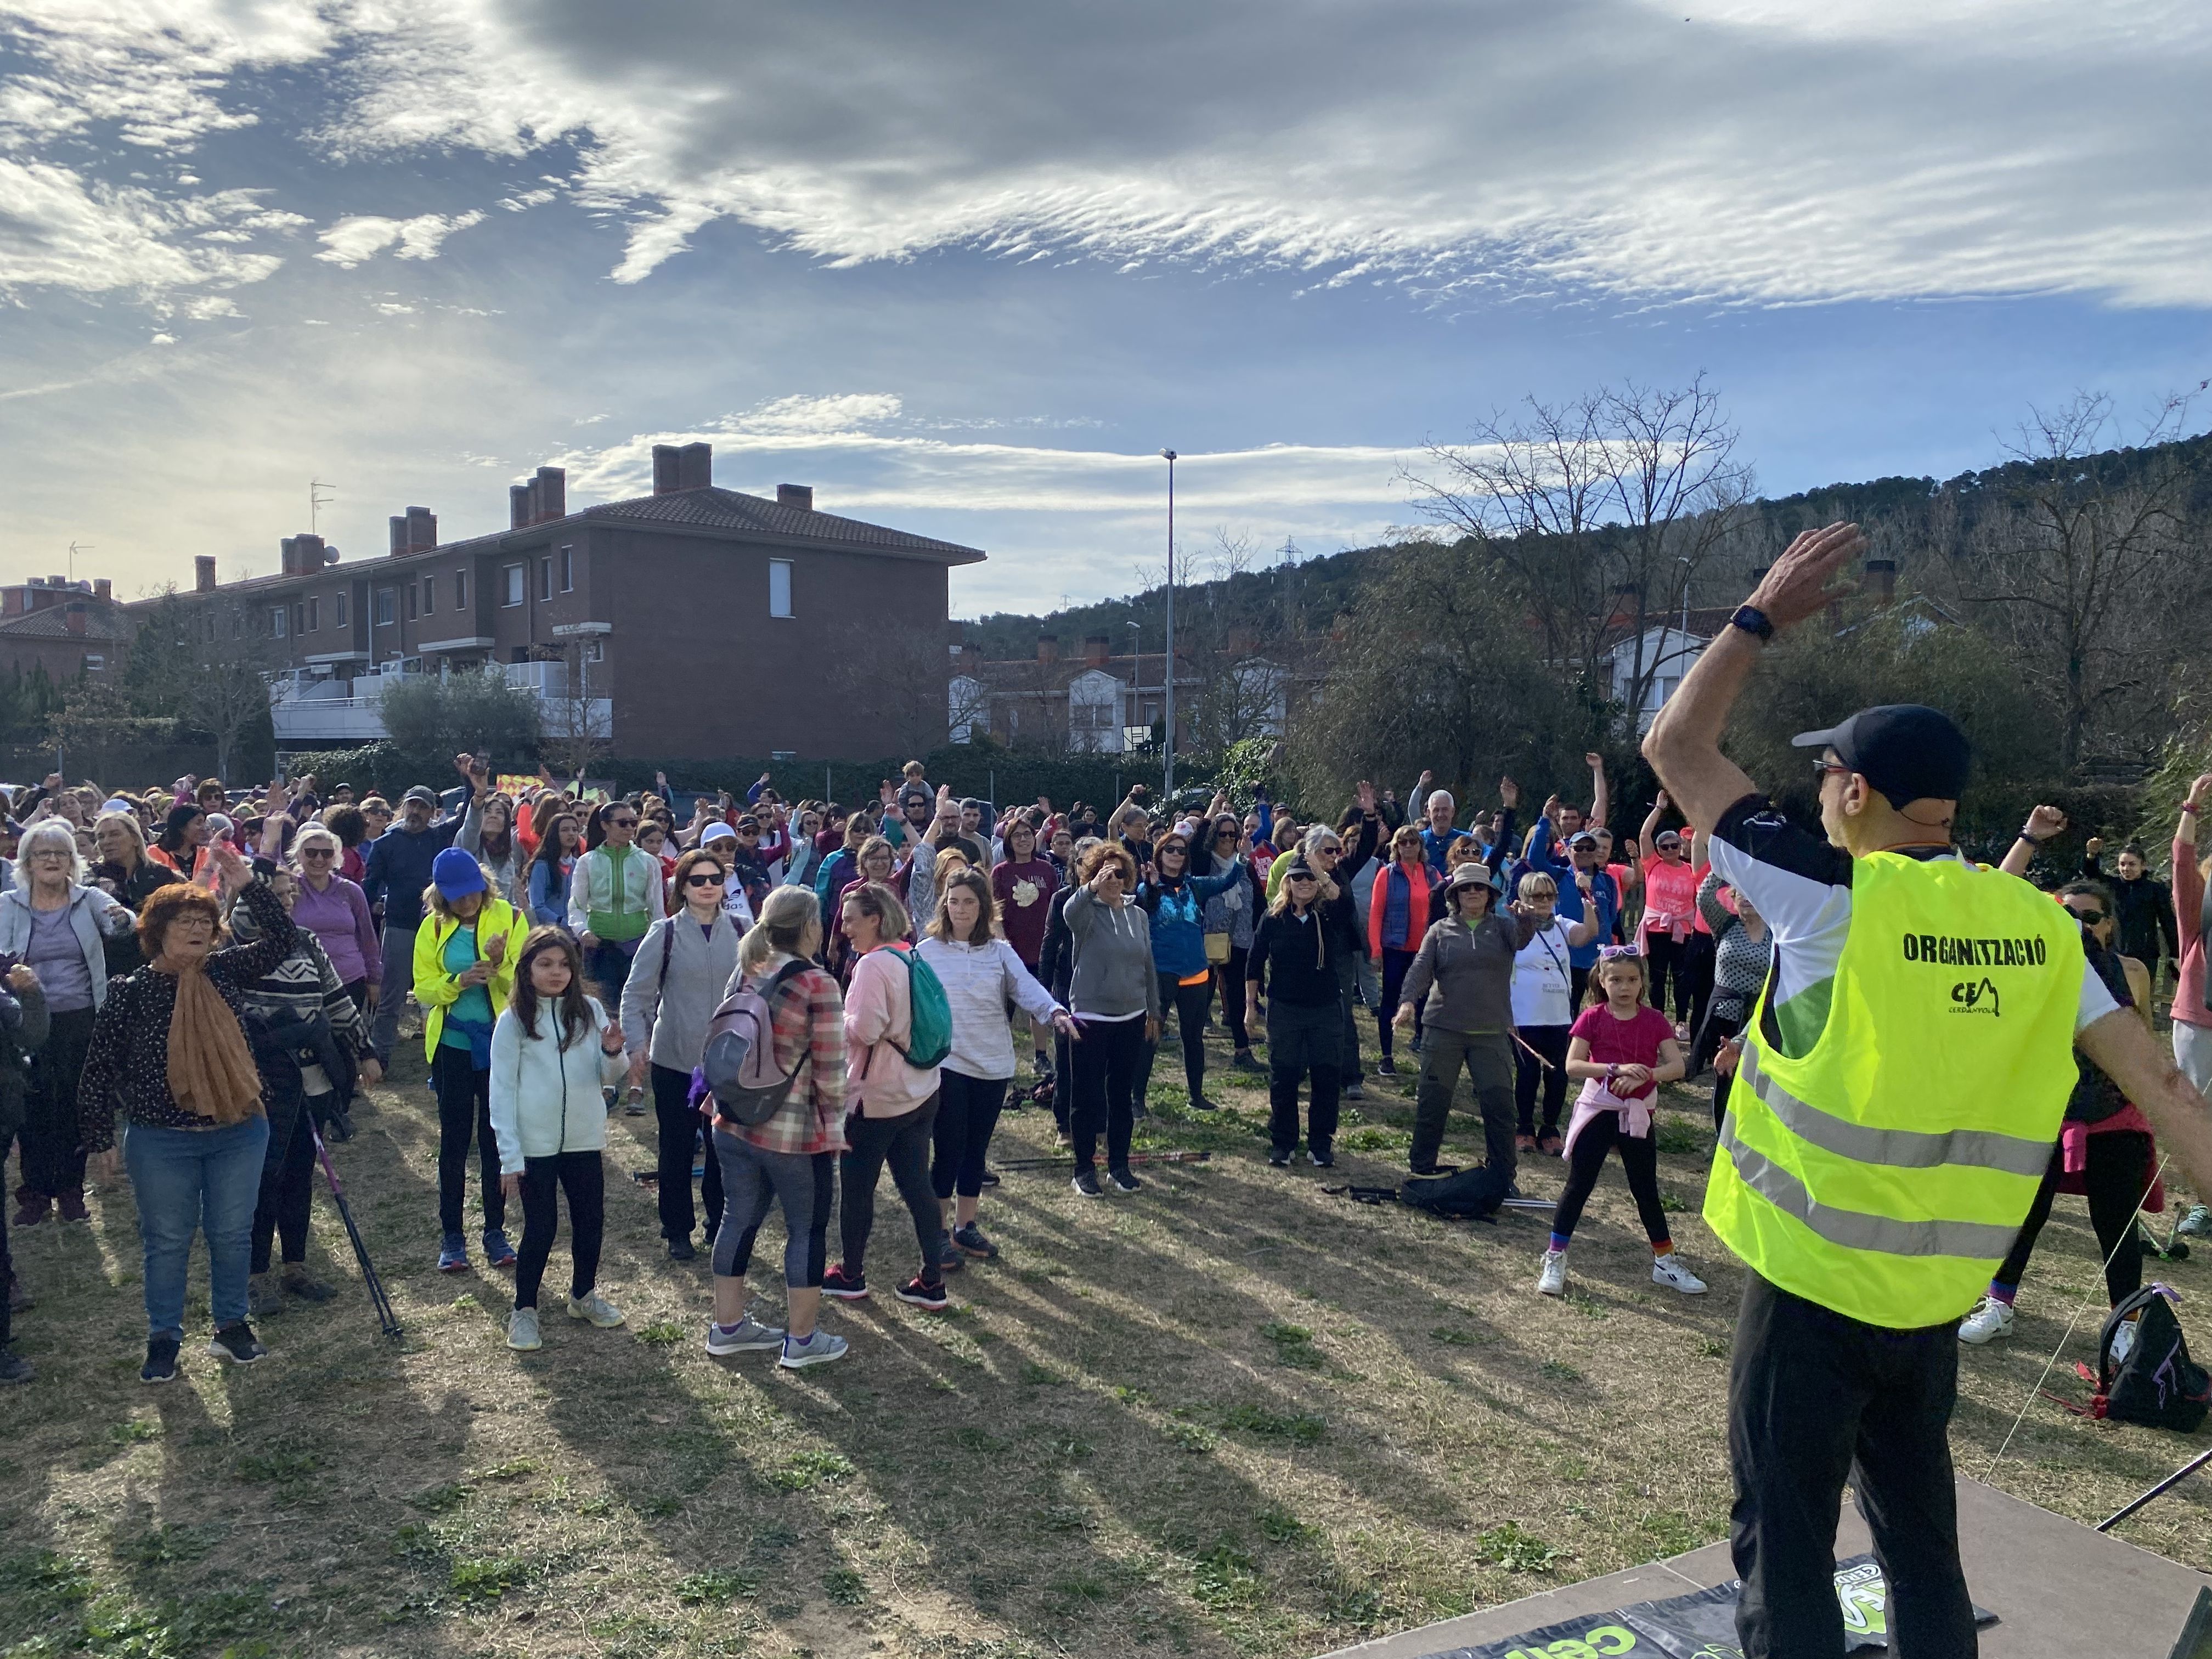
(1066, 1161)
(1532, 1054)
(2163, 1486)
(387, 1319)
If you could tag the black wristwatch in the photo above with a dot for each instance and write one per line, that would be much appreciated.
(1752, 621)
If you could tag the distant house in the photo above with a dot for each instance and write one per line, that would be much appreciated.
(1105, 703)
(693, 621)
(66, 628)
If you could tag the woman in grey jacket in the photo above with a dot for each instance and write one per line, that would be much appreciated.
(1232, 915)
(51, 919)
(680, 976)
(1114, 993)
(1461, 980)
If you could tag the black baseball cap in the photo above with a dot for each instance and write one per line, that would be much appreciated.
(1907, 751)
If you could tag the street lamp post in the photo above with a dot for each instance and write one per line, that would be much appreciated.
(1168, 670)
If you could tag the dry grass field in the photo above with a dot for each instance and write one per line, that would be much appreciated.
(1230, 1414)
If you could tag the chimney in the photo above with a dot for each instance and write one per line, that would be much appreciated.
(800, 497)
(73, 618)
(694, 466)
(1096, 647)
(203, 574)
(1881, 580)
(550, 488)
(303, 555)
(665, 470)
(421, 529)
(103, 590)
(518, 506)
(1047, 647)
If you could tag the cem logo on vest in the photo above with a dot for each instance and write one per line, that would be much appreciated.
(1979, 995)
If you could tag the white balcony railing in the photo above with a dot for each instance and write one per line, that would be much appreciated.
(310, 711)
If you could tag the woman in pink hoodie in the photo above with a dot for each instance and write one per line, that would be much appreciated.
(891, 1105)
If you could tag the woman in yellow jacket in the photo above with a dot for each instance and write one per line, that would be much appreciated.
(465, 956)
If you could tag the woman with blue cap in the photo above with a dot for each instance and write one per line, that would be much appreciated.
(465, 954)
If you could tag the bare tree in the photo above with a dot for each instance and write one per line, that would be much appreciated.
(573, 730)
(207, 664)
(1600, 513)
(895, 680)
(2081, 565)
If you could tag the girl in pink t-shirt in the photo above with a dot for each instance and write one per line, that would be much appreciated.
(1622, 1049)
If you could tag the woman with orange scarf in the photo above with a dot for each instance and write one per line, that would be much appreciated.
(169, 1048)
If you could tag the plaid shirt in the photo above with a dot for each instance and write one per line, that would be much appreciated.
(810, 1027)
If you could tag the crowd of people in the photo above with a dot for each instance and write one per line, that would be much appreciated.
(224, 972)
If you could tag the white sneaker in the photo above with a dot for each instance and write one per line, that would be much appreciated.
(597, 1309)
(2123, 1344)
(2197, 1224)
(1552, 1281)
(748, 1335)
(522, 1331)
(1669, 1270)
(1990, 1319)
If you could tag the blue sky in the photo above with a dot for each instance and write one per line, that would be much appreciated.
(965, 269)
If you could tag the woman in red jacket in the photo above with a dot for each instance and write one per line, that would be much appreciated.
(1404, 898)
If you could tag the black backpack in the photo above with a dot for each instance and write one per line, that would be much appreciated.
(1470, 1195)
(2158, 1384)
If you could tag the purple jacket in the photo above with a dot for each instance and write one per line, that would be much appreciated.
(338, 916)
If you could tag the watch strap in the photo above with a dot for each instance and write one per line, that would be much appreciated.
(1752, 621)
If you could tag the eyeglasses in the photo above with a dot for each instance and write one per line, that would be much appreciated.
(318, 853)
(702, 879)
(2087, 917)
(1821, 769)
(621, 823)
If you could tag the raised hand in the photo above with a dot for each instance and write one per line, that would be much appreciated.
(1366, 793)
(230, 864)
(2045, 822)
(2095, 846)
(1508, 792)
(1796, 586)
(1662, 803)
(1595, 761)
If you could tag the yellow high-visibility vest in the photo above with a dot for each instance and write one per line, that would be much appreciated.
(1885, 1173)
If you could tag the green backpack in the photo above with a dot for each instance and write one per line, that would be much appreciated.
(929, 1035)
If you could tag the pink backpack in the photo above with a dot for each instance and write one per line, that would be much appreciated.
(738, 1067)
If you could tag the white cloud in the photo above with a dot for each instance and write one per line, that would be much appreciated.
(59, 230)
(350, 241)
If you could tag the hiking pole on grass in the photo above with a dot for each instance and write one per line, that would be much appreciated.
(387, 1319)
(2159, 1489)
(1067, 1160)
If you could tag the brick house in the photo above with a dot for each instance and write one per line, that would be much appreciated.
(66, 628)
(694, 621)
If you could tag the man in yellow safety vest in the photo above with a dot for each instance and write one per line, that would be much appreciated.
(1902, 1080)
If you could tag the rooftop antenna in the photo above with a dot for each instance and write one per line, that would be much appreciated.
(74, 549)
(317, 501)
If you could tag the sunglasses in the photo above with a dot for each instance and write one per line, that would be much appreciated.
(702, 879)
(621, 823)
(317, 853)
(1303, 876)
(1614, 952)
(1821, 769)
(2087, 917)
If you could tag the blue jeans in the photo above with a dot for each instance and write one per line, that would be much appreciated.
(188, 1180)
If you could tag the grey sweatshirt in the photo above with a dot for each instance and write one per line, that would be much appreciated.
(675, 1012)
(1113, 978)
(1467, 973)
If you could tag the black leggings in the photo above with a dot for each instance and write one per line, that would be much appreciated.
(1639, 1156)
(2114, 1181)
(903, 1142)
(1394, 964)
(966, 1112)
(53, 1150)
(1666, 958)
(1550, 1042)
(1712, 1034)
(680, 1126)
(288, 1176)
(1105, 1066)
(465, 1110)
(1189, 1003)
(582, 1177)
(1230, 976)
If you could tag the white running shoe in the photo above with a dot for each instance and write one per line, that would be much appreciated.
(1669, 1270)
(1552, 1281)
(522, 1331)
(2197, 1224)
(596, 1309)
(1990, 1319)
(2123, 1344)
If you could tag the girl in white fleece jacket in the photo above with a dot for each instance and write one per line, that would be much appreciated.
(552, 1051)
(982, 975)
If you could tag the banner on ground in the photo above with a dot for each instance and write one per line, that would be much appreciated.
(1699, 1626)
